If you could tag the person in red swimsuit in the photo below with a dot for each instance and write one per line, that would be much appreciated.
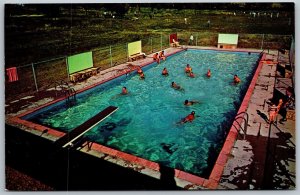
(189, 118)
(191, 75)
(142, 76)
(139, 70)
(162, 55)
(188, 68)
(208, 74)
(156, 58)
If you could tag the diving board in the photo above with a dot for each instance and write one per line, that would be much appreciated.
(76, 133)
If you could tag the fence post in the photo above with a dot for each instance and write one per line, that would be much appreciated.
(262, 42)
(34, 77)
(126, 48)
(68, 71)
(161, 41)
(110, 56)
(151, 45)
(196, 38)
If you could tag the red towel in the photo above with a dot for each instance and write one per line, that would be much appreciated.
(12, 74)
(173, 36)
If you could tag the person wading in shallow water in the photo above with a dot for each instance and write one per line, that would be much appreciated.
(124, 91)
(165, 72)
(208, 74)
(236, 79)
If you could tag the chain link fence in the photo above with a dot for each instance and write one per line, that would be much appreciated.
(39, 76)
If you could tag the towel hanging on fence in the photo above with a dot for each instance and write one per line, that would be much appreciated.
(12, 74)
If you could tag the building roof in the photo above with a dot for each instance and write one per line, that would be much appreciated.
(228, 38)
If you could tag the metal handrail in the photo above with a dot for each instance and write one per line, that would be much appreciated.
(245, 122)
(69, 94)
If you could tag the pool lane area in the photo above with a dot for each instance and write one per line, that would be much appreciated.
(149, 167)
(146, 123)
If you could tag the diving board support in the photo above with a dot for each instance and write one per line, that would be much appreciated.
(76, 133)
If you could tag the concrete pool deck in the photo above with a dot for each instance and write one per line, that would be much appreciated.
(233, 175)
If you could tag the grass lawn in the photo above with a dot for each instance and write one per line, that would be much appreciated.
(31, 37)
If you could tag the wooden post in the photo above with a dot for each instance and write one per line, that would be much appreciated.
(34, 77)
(110, 56)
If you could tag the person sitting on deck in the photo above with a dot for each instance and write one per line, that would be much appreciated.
(139, 70)
(236, 79)
(162, 55)
(142, 76)
(189, 103)
(188, 68)
(188, 118)
(278, 107)
(176, 43)
(124, 91)
(165, 72)
(272, 113)
(156, 58)
(208, 74)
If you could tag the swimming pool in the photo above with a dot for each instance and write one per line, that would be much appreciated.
(145, 124)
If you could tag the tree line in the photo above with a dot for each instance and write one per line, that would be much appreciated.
(120, 9)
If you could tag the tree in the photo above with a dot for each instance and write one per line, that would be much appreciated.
(49, 10)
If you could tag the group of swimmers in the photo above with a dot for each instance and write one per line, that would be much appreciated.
(188, 70)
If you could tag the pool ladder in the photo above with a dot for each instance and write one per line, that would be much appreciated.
(63, 85)
(241, 115)
(70, 95)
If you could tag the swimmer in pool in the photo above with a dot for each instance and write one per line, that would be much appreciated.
(188, 69)
(236, 79)
(208, 74)
(124, 91)
(175, 86)
(191, 75)
(188, 118)
(189, 103)
(165, 72)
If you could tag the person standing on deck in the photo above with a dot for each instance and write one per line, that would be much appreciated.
(191, 42)
(272, 113)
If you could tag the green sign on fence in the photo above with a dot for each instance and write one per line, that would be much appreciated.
(80, 62)
(134, 47)
(228, 39)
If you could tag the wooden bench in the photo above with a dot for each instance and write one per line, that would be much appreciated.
(136, 56)
(84, 74)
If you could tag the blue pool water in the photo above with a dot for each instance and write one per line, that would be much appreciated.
(146, 123)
